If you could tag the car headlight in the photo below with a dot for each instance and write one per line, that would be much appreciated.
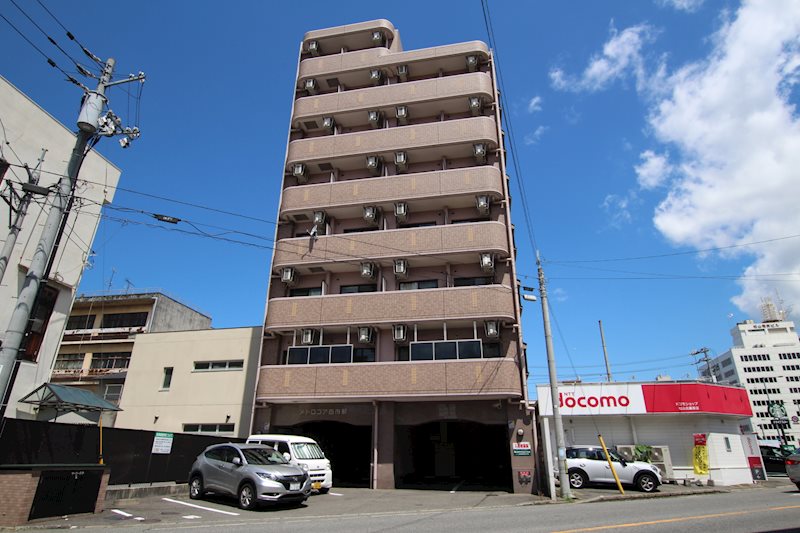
(267, 475)
(327, 464)
(304, 467)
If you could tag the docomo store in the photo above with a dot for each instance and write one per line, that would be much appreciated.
(663, 415)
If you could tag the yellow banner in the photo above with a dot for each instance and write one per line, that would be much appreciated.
(700, 460)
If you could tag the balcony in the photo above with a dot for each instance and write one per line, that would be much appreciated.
(453, 239)
(434, 136)
(397, 380)
(352, 36)
(441, 187)
(432, 92)
(83, 373)
(427, 305)
(352, 68)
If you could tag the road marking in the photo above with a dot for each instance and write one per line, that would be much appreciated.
(123, 513)
(681, 519)
(335, 494)
(190, 516)
(459, 485)
(139, 518)
(200, 507)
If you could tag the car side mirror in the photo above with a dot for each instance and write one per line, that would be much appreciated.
(623, 462)
(286, 456)
(237, 461)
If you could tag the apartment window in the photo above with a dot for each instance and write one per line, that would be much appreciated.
(727, 444)
(418, 224)
(423, 284)
(113, 393)
(791, 367)
(124, 320)
(360, 230)
(209, 428)
(351, 289)
(443, 350)
(81, 322)
(729, 373)
(491, 350)
(470, 282)
(363, 355)
(69, 361)
(306, 291)
(727, 362)
(217, 366)
(110, 360)
(167, 382)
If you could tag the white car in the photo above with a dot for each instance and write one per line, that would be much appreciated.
(588, 464)
(303, 452)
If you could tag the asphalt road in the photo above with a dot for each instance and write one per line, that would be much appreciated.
(775, 509)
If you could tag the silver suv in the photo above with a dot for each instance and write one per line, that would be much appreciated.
(588, 464)
(252, 472)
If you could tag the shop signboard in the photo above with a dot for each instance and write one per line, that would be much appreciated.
(162, 442)
(753, 454)
(521, 448)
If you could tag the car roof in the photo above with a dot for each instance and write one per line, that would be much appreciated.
(239, 445)
(286, 438)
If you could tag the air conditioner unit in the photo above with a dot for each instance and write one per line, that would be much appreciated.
(376, 76)
(378, 39)
(314, 48)
(368, 270)
(329, 124)
(365, 335)
(627, 451)
(375, 164)
(401, 268)
(472, 63)
(299, 172)
(487, 262)
(372, 214)
(399, 332)
(401, 161)
(310, 86)
(661, 458)
(375, 118)
(308, 336)
(475, 105)
(288, 275)
(492, 329)
(401, 112)
(482, 202)
(402, 72)
(319, 218)
(479, 151)
(401, 211)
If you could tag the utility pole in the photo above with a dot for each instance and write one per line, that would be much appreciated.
(28, 189)
(707, 360)
(605, 352)
(563, 477)
(92, 123)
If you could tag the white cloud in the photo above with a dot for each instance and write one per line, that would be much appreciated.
(653, 170)
(738, 139)
(621, 55)
(535, 104)
(689, 6)
(618, 208)
(535, 135)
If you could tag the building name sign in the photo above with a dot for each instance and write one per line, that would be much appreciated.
(323, 411)
(572, 401)
(594, 399)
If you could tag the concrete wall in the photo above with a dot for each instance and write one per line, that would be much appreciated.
(194, 397)
(28, 129)
(169, 315)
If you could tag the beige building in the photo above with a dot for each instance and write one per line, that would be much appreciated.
(100, 334)
(29, 130)
(192, 382)
(392, 329)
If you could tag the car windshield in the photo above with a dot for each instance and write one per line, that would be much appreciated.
(307, 450)
(263, 456)
(614, 456)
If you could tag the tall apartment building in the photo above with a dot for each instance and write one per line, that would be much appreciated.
(100, 335)
(392, 329)
(765, 359)
(29, 134)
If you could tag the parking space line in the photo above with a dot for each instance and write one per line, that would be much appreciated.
(123, 513)
(200, 507)
(335, 494)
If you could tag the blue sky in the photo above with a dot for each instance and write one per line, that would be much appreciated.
(643, 129)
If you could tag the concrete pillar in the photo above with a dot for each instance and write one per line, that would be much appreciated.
(522, 446)
(384, 446)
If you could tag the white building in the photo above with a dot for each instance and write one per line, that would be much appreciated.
(28, 130)
(765, 359)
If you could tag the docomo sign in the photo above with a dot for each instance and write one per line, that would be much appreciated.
(593, 399)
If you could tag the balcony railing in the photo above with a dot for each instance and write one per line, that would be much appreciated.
(495, 377)
(415, 306)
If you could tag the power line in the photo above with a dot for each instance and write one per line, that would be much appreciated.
(72, 37)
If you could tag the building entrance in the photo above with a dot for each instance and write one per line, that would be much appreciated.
(444, 455)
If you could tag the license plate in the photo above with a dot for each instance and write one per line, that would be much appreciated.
(316, 485)
(294, 486)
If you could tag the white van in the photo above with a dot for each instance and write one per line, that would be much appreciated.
(303, 452)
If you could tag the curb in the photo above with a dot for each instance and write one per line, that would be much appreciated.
(620, 497)
(116, 494)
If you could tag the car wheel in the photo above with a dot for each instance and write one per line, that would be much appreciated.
(646, 482)
(247, 496)
(798, 485)
(323, 490)
(577, 479)
(196, 491)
